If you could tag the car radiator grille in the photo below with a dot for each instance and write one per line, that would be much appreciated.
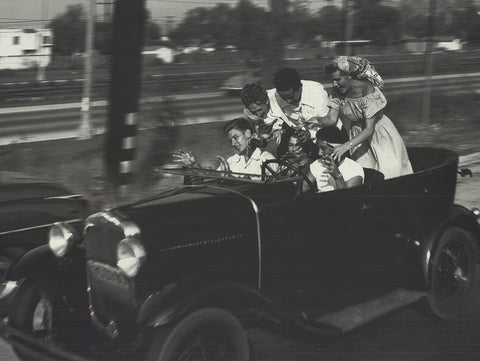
(110, 275)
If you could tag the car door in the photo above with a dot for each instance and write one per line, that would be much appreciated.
(305, 242)
(340, 245)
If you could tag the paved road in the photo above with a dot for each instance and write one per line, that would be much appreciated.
(405, 335)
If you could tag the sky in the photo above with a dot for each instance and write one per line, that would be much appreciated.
(19, 13)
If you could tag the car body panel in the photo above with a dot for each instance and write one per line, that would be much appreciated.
(29, 206)
(261, 249)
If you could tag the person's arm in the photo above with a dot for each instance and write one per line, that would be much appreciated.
(328, 120)
(311, 177)
(363, 136)
(354, 182)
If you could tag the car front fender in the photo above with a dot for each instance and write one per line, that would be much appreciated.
(176, 300)
(457, 216)
(40, 262)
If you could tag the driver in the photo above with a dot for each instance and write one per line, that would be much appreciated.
(249, 157)
(301, 154)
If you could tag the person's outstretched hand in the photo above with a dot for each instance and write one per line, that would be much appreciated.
(186, 158)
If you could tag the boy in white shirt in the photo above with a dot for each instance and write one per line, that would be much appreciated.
(345, 174)
(249, 158)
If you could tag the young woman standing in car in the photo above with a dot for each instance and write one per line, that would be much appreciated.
(357, 100)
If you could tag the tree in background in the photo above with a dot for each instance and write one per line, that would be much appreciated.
(330, 22)
(252, 26)
(203, 26)
(153, 32)
(376, 22)
(302, 25)
(69, 31)
(246, 26)
(192, 28)
(454, 18)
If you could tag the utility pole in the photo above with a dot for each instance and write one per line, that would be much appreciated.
(169, 24)
(126, 65)
(427, 88)
(85, 130)
(42, 63)
(348, 7)
(279, 11)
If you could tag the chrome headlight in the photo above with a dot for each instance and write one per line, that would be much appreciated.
(61, 237)
(476, 212)
(130, 256)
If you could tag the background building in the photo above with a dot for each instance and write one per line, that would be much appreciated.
(25, 48)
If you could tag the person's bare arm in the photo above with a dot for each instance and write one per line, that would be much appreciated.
(354, 182)
(328, 120)
(363, 136)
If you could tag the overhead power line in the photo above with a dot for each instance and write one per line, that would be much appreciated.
(233, 2)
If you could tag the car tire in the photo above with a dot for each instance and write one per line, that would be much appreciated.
(209, 333)
(451, 272)
(7, 257)
(32, 313)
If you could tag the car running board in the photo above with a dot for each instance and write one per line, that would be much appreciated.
(352, 317)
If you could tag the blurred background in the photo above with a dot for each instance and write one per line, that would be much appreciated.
(244, 38)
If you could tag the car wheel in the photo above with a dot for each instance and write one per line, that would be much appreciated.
(452, 272)
(206, 334)
(32, 313)
(7, 257)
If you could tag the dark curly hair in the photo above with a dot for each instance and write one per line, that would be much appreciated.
(331, 68)
(286, 79)
(332, 134)
(253, 93)
(309, 147)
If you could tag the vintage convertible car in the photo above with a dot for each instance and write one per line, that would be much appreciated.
(182, 275)
(28, 207)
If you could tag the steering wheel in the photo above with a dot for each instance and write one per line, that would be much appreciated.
(284, 169)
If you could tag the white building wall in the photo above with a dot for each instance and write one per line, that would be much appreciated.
(21, 49)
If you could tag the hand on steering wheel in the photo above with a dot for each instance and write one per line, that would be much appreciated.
(282, 169)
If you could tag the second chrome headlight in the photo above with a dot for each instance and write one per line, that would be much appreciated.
(130, 256)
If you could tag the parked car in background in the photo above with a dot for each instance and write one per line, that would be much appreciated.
(181, 275)
(28, 207)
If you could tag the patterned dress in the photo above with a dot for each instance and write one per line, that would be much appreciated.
(386, 151)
